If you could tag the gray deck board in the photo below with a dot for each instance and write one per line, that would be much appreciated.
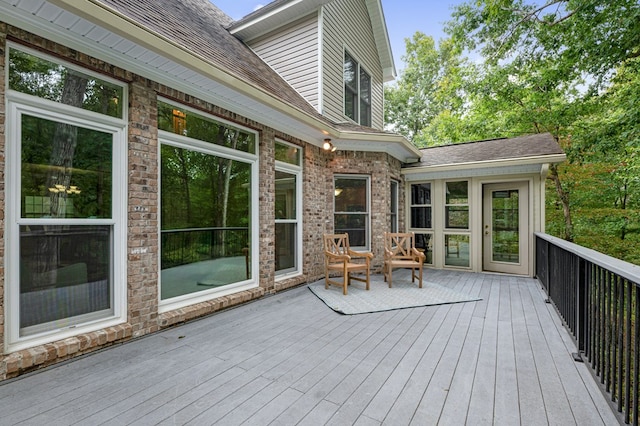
(287, 359)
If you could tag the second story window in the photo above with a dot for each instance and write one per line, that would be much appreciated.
(357, 92)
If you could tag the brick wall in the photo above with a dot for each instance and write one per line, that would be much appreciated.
(381, 168)
(142, 207)
(143, 203)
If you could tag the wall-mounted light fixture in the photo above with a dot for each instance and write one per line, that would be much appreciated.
(328, 146)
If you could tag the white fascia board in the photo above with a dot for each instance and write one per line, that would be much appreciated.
(393, 144)
(540, 159)
(381, 35)
(263, 23)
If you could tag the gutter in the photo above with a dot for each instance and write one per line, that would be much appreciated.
(506, 162)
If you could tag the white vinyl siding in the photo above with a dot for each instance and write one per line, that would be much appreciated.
(347, 26)
(292, 51)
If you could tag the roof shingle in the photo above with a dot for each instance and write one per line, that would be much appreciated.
(540, 144)
(200, 27)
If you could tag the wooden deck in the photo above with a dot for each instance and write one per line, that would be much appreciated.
(288, 359)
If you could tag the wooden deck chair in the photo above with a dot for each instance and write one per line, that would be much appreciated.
(400, 252)
(339, 258)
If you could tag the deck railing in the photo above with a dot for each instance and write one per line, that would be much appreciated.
(183, 246)
(598, 298)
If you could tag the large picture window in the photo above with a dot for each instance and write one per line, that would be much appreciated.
(288, 205)
(205, 199)
(351, 212)
(65, 225)
(357, 91)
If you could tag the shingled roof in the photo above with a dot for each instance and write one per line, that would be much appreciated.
(199, 26)
(537, 145)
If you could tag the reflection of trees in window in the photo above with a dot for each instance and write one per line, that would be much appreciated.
(352, 209)
(47, 80)
(350, 87)
(65, 173)
(203, 190)
(357, 91)
(187, 123)
(421, 205)
(47, 162)
(457, 205)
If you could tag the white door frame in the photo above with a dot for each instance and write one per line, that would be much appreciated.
(521, 265)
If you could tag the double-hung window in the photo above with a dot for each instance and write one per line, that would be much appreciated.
(421, 206)
(456, 223)
(288, 208)
(357, 91)
(66, 173)
(351, 211)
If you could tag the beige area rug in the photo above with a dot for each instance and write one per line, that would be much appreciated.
(380, 297)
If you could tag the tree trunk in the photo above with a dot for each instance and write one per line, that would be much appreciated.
(227, 183)
(64, 142)
(563, 196)
(184, 181)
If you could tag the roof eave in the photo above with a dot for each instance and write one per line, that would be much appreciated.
(393, 144)
(381, 35)
(507, 162)
(268, 18)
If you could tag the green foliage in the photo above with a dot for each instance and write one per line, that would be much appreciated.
(428, 89)
(48, 80)
(567, 67)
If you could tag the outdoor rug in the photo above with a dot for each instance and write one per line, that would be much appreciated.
(380, 297)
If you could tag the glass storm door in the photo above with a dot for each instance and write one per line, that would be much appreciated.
(506, 228)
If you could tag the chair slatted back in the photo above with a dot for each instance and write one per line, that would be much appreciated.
(400, 244)
(337, 243)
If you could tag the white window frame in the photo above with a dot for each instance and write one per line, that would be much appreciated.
(467, 205)
(367, 231)
(453, 232)
(180, 141)
(408, 215)
(19, 104)
(359, 68)
(295, 170)
(394, 188)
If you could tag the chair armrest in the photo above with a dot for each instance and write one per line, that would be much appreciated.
(388, 254)
(420, 255)
(360, 254)
(336, 257)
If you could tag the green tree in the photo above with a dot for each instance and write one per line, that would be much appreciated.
(585, 37)
(429, 88)
(543, 64)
